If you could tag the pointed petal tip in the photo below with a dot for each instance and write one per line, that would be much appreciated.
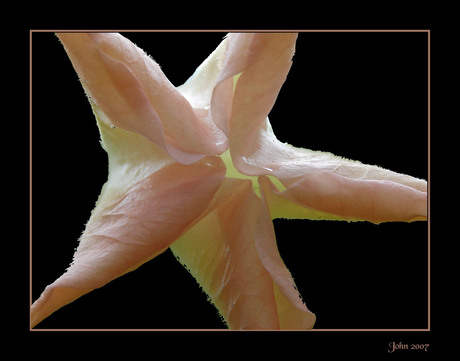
(376, 201)
(135, 94)
(121, 236)
(52, 299)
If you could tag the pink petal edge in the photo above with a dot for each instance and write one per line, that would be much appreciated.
(233, 256)
(350, 199)
(135, 228)
(131, 89)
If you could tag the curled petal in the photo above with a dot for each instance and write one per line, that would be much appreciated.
(199, 90)
(322, 182)
(258, 64)
(292, 311)
(130, 88)
(331, 187)
(222, 253)
(126, 232)
(332, 196)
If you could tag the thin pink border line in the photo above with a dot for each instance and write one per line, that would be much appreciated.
(219, 30)
(230, 31)
(229, 330)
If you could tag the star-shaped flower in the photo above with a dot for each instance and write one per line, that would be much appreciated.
(199, 170)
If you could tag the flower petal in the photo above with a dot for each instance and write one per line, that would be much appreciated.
(331, 187)
(342, 188)
(335, 197)
(222, 254)
(259, 63)
(292, 311)
(130, 88)
(126, 232)
(199, 90)
(132, 157)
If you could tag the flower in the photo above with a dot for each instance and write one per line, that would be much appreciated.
(198, 169)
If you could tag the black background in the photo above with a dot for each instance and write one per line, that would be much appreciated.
(362, 96)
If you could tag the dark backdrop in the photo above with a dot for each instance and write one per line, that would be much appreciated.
(362, 96)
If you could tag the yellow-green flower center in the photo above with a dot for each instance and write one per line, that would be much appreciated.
(232, 172)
